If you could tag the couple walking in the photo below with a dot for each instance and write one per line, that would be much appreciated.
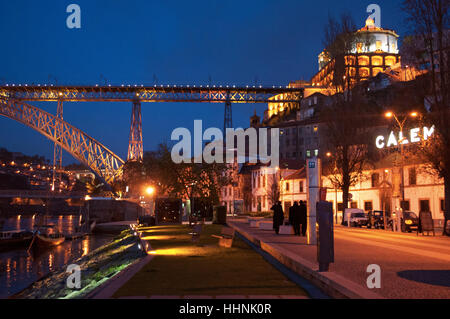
(297, 217)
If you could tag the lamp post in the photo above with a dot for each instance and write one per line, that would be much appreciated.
(329, 155)
(150, 191)
(401, 124)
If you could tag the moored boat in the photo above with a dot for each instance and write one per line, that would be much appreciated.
(45, 236)
(15, 238)
(48, 240)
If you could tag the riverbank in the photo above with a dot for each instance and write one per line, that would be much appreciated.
(96, 268)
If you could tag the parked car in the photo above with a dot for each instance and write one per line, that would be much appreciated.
(376, 219)
(410, 222)
(356, 217)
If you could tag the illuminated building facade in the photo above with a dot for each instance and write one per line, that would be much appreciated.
(367, 58)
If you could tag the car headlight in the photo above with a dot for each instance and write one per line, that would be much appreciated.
(408, 222)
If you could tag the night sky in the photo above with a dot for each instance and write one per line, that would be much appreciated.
(226, 42)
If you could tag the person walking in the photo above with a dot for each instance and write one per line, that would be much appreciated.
(294, 218)
(303, 219)
(278, 216)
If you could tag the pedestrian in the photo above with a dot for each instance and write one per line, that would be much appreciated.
(278, 216)
(294, 218)
(303, 219)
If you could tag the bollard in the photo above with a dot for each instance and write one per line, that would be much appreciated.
(325, 235)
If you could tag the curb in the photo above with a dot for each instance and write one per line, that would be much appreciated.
(109, 288)
(331, 283)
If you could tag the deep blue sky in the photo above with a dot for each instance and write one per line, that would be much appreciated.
(178, 42)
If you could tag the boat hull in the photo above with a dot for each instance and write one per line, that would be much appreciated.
(43, 241)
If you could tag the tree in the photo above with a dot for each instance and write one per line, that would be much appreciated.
(346, 129)
(429, 20)
(185, 180)
(273, 190)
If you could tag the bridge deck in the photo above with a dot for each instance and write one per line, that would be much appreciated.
(156, 93)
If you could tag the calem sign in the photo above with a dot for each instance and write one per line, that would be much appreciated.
(415, 136)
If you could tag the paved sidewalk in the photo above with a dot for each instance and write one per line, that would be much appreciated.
(411, 266)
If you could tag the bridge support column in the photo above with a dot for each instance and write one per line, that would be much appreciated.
(228, 117)
(57, 150)
(135, 144)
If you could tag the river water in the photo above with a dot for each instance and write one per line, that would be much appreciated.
(18, 269)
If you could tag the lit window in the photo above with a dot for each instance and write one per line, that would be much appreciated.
(378, 44)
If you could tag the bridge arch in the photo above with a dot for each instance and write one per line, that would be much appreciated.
(103, 163)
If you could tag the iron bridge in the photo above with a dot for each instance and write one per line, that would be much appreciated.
(104, 163)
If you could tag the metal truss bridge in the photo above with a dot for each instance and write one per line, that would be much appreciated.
(104, 163)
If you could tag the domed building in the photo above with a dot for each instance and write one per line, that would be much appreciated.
(376, 51)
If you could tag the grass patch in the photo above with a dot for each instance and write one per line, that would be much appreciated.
(181, 267)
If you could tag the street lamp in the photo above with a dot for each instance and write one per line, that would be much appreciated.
(150, 190)
(401, 124)
(329, 155)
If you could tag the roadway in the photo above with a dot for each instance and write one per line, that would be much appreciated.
(411, 266)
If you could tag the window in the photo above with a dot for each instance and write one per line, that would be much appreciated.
(378, 45)
(412, 176)
(264, 180)
(259, 181)
(364, 72)
(301, 186)
(287, 186)
(377, 61)
(405, 205)
(424, 205)
(301, 141)
(375, 179)
(354, 205)
(316, 152)
(442, 205)
(368, 205)
(340, 207)
(359, 46)
(316, 128)
(308, 153)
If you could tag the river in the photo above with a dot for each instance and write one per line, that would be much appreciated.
(18, 269)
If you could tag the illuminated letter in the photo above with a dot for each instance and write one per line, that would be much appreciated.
(375, 14)
(182, 147)
(213, 152)
(414, 137)
(379, 141)
(74, 20)
(400, 138)
(427, 132)
(374, 280)
(392, 140)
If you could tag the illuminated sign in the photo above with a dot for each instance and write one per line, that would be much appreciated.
(414, 137)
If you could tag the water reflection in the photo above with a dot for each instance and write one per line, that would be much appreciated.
(18, 269)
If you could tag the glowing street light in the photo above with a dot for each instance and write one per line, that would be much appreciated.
(150, 190)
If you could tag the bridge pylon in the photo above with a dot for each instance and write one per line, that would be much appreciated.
(135, 144)
(228, 116)
(57, 149)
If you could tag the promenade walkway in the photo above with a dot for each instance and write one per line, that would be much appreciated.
(411, 266)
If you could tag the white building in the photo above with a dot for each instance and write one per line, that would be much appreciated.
(424, 191)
